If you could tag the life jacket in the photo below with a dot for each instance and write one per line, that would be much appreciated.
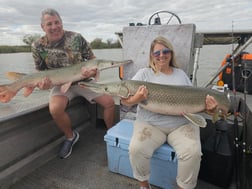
(224, 61)
(242, 70)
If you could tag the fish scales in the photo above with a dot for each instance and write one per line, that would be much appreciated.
(172, 100)
(165, 99)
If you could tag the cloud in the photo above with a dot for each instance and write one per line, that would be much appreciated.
(101, 19)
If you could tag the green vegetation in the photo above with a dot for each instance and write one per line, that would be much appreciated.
(29, 39)
(98, 44)
(14, 49)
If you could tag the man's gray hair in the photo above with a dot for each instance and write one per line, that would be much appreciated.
(51, 12)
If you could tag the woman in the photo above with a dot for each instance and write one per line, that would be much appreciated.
(151, 129)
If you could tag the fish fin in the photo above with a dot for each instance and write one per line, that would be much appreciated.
(28, 91)
(196, 119)
(217, 115)
(14, 75)
(6, 94)
(97, 76)
(64, 88)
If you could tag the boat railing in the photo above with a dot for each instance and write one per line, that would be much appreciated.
(30, 138)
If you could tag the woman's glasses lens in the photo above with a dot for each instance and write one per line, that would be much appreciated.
(164, 51)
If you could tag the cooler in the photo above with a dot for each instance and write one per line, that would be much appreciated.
(163, 162)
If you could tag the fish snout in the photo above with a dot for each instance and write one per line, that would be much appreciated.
(122, 63)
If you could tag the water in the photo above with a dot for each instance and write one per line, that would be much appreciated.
(209, 61)
(17, 62)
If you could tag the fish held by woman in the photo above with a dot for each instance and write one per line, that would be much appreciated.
(168, 99)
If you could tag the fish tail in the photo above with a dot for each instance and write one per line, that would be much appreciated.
(14, 75)
(97, 76)
(6, 94)
(92, 86)
(28, 91)
(196, 119)
(219, 114)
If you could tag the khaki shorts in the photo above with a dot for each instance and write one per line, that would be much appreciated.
(75, 91)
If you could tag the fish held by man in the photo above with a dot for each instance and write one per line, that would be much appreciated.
(64, 76)
(167, 99)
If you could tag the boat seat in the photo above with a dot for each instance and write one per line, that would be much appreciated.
(137, 40)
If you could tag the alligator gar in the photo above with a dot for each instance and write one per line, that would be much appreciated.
(61, 76)
(166, 99)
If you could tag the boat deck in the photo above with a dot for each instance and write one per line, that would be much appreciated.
(86, 168)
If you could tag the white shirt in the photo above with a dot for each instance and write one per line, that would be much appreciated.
(178, 77)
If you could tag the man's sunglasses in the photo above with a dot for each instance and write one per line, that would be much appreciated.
(165, 51)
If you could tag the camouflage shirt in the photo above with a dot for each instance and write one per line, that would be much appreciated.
(71, 49)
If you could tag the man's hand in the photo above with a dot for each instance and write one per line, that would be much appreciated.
(45, 84)
(139, 96)
(86, 73)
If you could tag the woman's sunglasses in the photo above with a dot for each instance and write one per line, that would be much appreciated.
(164, 51)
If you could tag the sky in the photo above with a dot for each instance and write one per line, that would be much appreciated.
(102, 18)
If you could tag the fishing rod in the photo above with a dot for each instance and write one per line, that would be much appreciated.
(240, 159)
(246, 74)
(235, 112)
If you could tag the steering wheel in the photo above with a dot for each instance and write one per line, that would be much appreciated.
(166, 17)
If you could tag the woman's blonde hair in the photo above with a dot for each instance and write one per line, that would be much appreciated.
(163, 41)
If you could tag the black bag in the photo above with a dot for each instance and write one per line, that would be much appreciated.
(217, 162)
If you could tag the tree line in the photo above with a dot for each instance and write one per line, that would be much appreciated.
(29, 39)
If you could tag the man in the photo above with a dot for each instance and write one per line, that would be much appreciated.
(60, 48)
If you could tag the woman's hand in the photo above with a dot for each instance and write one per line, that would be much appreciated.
(211, 103)
(139, 96)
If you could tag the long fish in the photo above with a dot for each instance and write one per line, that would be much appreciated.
(166, 99)
(61, 76)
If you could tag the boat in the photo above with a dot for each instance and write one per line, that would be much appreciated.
(30, 140)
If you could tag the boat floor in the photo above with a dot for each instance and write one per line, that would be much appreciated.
(86, 168)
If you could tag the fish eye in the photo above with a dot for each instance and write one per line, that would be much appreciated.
(106, 88)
